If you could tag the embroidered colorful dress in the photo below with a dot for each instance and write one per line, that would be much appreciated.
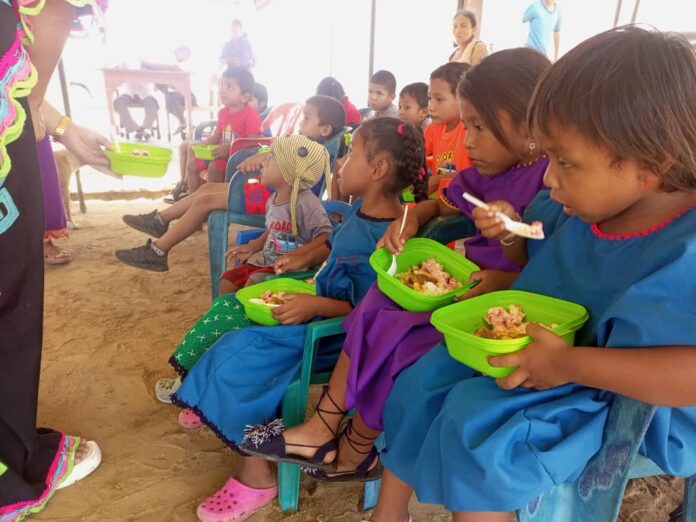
(32, 461)
(241, 380)
(382, 338)
(462, 442)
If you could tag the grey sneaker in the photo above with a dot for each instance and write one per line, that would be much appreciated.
(166, 388)
(143, 257)
(146, 223)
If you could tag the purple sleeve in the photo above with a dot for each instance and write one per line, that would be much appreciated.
(462, 182)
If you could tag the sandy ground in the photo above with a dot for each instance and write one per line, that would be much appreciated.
(109, 330)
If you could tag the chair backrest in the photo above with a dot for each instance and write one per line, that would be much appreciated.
(334, 147)
(366, 113)
(282, 119)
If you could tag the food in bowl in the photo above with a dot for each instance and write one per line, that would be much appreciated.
(505, 324)
(429, 278)
(270, 298)
(140, 152)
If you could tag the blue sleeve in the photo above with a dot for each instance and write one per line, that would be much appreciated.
(543, 208)
(558, 19)
(659, 310)
(530, 14)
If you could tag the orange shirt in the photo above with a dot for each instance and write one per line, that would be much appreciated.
(443, 147)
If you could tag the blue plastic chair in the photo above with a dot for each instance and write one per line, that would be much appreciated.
(220, 220)
(598, 492)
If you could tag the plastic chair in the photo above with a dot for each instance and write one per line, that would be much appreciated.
(282, 119)
(598, 492)
(219, 220)
(365, 113)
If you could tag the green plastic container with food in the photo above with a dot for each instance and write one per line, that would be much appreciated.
(138, 159)
(261, 313)
(204, 152)
(460, 321)
(415, 252)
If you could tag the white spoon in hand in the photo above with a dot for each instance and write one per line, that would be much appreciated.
(533, 231)
(392, 268)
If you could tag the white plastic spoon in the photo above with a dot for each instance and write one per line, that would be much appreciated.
(533, 231)
(392, 269)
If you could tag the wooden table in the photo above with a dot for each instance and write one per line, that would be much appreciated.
(114, 77)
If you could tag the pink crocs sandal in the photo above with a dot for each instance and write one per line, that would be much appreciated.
(234, 502)
(189, 420)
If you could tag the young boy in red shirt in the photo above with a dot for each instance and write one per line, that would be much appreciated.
(236, 119)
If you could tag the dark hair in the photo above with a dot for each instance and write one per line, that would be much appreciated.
(238, 22)
(404, 143)
(632, 91)
(386, 79)
(451, 73)
(261, 95)
(418, 91)
(330, 111)
(330, 86)
(244, 78)
(484, 89)
(469, 14)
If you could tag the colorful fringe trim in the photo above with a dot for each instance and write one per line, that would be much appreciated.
(60, 468)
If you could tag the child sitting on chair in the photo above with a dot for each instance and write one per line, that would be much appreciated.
(444, 137)
(236, 119)
(413, 104)
(294, 215)
(323, 117)
(380, 95)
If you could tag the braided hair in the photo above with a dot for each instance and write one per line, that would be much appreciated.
(403, 141)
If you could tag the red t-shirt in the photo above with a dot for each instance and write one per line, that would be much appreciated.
(352, 112)
(244, 123)
(443, 147)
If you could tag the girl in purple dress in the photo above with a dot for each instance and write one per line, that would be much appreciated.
(382, 338)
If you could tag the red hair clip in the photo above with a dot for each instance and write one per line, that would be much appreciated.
(400, 129)
(421, 174)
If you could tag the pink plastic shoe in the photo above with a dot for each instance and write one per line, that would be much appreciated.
(189, 420)
(234, 502)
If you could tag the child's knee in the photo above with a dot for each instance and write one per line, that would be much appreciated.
(227, 287)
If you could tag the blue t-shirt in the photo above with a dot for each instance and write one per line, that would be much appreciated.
(542, 24)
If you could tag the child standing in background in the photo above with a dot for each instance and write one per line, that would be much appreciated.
(413, 104)
(621, 213)
(330, 86)
(380, 95)
(444, 137)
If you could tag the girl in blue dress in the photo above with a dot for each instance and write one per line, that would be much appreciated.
(620, 224)
(242, 379)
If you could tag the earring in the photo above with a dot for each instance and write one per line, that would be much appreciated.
(532, 148)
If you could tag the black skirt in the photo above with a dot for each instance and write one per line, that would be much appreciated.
(26, 452)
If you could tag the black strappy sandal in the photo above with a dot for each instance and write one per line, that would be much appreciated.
(269, 444)
(365, 472)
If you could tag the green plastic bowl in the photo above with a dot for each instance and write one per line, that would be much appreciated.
(261, 314)
(204, 152)
(152, 166)
(415, 252)
(458, 323)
